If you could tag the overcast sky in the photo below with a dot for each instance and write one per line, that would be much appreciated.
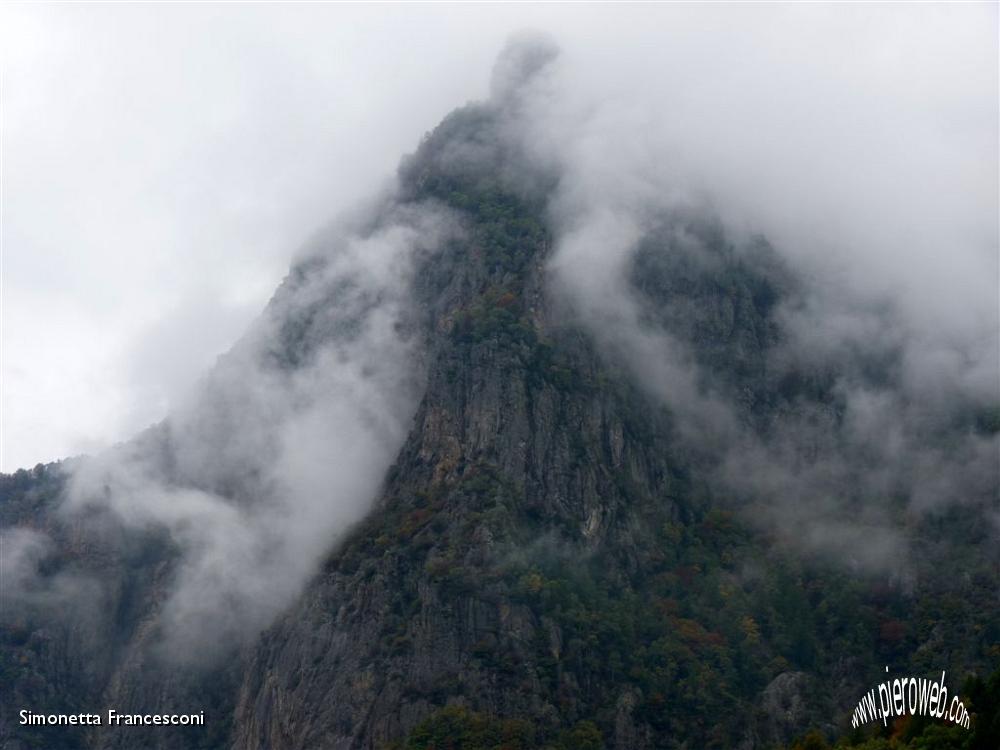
(162, 163)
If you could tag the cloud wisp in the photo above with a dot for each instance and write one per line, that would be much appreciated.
(892, 316)
(285, 443)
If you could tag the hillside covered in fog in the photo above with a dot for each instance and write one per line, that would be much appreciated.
(533, 450)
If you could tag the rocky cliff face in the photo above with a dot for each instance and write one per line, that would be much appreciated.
(538, 494)
(547, 549)
(522, 446)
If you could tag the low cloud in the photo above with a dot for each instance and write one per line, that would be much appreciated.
(285, 443)
(891, 311)
(68, 593)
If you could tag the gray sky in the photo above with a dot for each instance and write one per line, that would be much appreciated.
(162, 163)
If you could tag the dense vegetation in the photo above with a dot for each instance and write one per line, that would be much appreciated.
(457, 728)
(981, 698)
